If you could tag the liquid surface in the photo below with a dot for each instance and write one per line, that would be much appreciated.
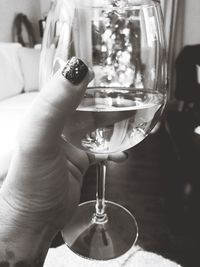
(110, 120)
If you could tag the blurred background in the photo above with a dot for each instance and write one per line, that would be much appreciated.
(181, 19)
(160, 181)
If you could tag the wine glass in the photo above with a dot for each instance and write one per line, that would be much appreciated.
(123, 42)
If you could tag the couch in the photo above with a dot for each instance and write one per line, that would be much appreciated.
(19, 68)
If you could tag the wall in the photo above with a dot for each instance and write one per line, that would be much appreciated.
(192, 22)
(8, 10)
(45, 4)
(35, 9)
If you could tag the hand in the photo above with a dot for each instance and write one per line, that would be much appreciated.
(43, 184)
(42, 188)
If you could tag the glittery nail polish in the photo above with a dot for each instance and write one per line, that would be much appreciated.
(75, 70)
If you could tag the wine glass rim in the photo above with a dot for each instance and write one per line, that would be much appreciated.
(126, 7)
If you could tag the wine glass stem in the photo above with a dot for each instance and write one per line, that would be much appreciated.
(100, 215)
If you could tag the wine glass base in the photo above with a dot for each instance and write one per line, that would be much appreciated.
(101, 240)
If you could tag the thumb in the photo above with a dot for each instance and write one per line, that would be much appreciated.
(45, 119)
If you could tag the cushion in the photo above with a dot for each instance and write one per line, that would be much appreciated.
(11, 78)
(29, 58)
(11, 113)
(19, 102)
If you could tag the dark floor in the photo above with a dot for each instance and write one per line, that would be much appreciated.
(154, 186)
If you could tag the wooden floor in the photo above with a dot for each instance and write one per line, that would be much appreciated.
(150, 185)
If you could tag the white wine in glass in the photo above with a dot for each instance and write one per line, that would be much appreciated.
(110, 120)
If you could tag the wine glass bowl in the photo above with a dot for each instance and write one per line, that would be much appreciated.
(123, 43)
(110, 120)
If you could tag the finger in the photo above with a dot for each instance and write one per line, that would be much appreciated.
(115, 157)
(118, 157)
(45, 119)
(77, 157)
(96, 120)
